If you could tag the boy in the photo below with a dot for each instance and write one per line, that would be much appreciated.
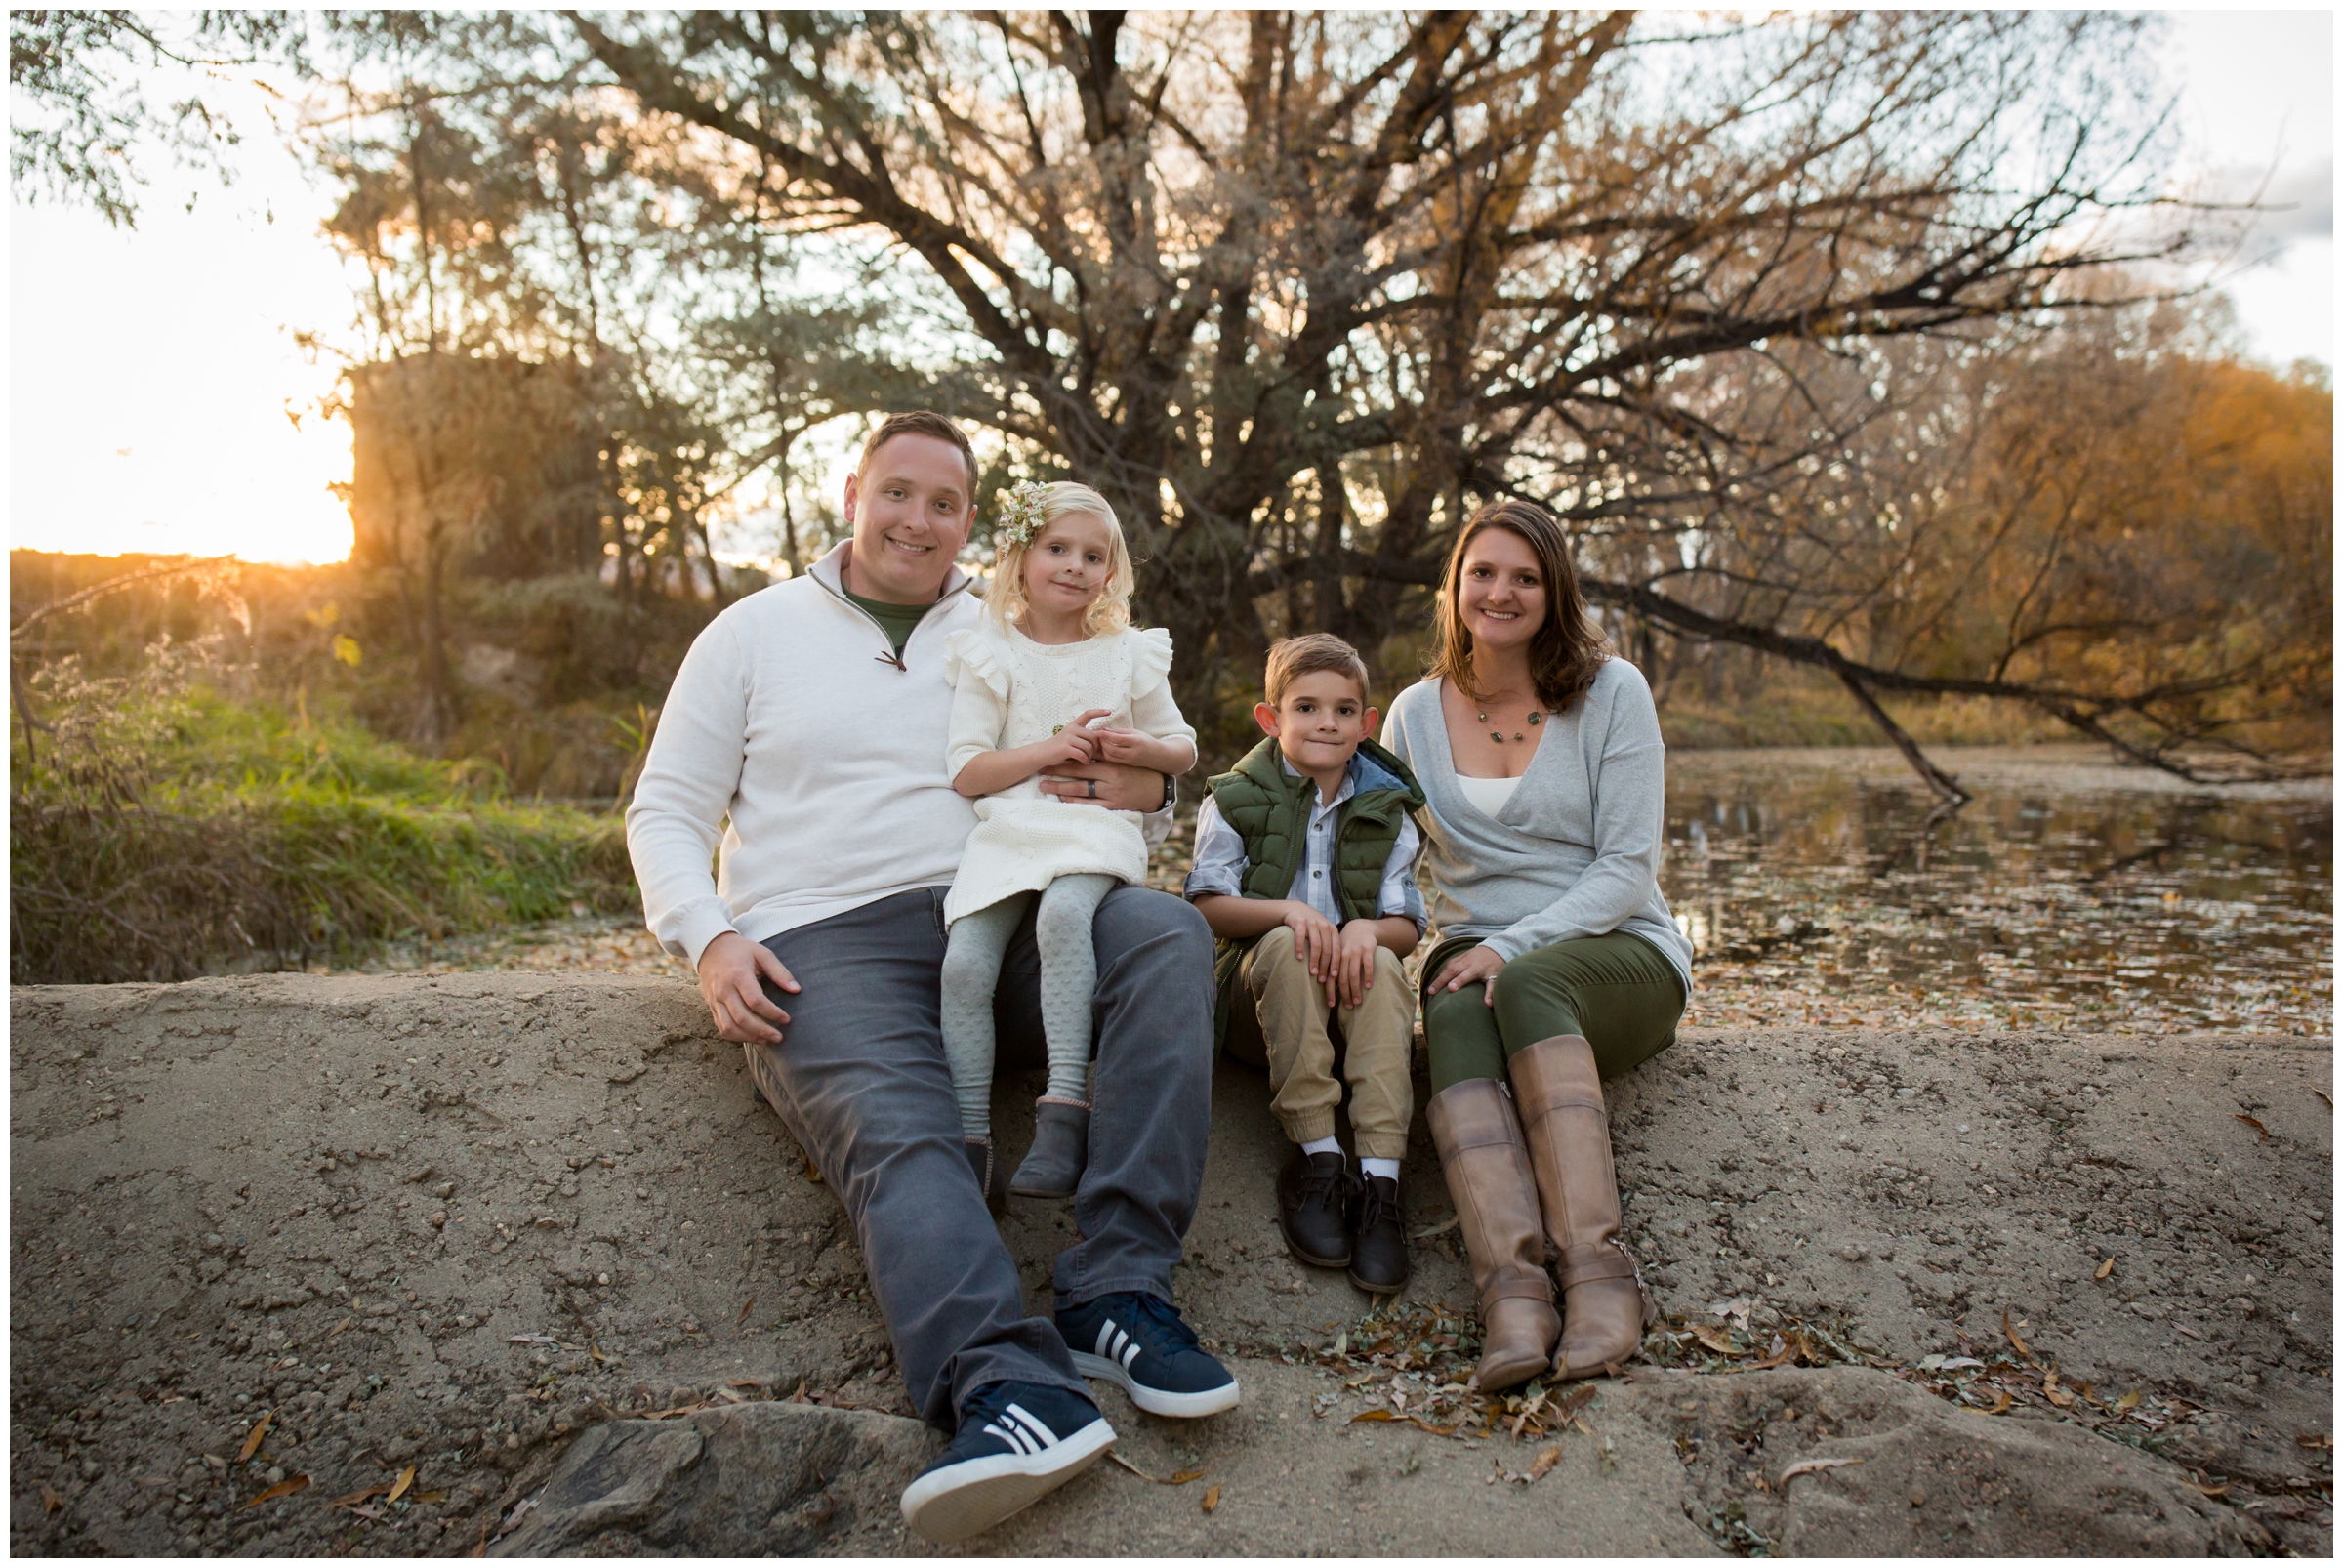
(1302, 857)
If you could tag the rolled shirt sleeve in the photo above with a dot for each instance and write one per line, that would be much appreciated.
(1399, 894)
(1220, 863)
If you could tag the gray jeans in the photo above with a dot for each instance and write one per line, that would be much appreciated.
(861, 1081)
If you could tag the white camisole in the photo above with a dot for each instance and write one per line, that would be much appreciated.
(1487, 795)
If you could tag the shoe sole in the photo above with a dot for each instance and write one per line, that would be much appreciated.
(1373, 1289)
(1158, 1401)
(1311, 1258)
(1016, 1191)
(949, 1506)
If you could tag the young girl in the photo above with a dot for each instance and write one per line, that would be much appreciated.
(1031, 686)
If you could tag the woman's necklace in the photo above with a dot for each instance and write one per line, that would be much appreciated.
(1535, 720)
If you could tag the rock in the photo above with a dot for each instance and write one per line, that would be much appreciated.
(755, 1480)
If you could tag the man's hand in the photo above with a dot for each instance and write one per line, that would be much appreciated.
(1354, 964)
(1474, 966)
(1316, 943)
(730, 970)
(1121, 788)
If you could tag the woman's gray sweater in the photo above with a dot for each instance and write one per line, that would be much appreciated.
(1574, 851)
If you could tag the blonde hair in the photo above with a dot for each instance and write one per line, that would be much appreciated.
(1110, 611)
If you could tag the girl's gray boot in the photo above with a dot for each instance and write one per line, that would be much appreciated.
(1061, 1147)
(986, 1160)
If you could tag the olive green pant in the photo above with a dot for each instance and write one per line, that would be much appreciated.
(1615, 991)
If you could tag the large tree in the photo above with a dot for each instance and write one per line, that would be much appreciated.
(1297, 290)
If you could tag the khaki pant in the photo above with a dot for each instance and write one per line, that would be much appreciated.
(1285, 1029)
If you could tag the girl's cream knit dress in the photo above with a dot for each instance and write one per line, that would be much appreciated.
(1009, 692)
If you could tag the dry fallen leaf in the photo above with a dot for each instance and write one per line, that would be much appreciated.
(811, 1175)
(2013, 1336)
(596, 1351)
(1715, 1338)
(2322, 1099)
(360, 1496)
(746, 1308)
(284, 1488)
(2129, 1401)
(743, 1382)
(252, 1439)
(2000, 1402)
(437, 1494)
(1211, 1498)
(2210, 1491)
(1384, 1415)
(1547, 1460)
(1449, 1223)
(2104, 1269)
(2311, 1439)
(2258, 1127)
(1807, 1467)
(50, 1501)
(2053, 1393)
(406, 1478)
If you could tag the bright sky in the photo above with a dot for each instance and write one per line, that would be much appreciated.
(150, 371)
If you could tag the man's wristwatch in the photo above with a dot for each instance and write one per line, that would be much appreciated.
(1171, 792)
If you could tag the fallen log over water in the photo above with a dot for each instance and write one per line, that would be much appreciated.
(533, 1239)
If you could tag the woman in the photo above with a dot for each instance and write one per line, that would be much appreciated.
(1555, 962)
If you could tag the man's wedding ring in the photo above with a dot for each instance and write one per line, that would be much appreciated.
(1093, 784)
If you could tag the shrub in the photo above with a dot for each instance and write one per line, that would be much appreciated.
(160, 829)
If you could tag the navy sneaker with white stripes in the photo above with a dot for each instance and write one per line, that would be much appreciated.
(1139, 1341)
(1017, 1443)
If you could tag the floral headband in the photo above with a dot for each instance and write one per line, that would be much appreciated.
(1021, 514)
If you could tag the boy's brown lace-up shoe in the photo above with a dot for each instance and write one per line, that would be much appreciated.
(1378, 1248)
(1313, 1208)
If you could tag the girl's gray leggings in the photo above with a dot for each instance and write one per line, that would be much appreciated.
(1069, 984)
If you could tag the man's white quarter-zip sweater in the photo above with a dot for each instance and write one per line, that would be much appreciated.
(791, 716)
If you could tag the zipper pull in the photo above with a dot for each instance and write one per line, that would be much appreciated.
(893, 658)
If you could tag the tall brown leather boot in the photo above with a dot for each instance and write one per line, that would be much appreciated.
(1488, 1170)
(1605, 1305)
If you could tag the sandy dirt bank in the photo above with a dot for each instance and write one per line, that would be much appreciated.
(535, 1238)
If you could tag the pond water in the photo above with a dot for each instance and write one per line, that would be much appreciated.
(2072, 892)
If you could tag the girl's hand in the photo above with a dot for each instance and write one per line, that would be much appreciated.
(1068, 748)
(1132, 745)
(1476, 965)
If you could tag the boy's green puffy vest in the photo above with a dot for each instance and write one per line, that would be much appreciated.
(1270, 810)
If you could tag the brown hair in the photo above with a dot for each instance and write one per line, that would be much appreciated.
(1298, 656)
(919, 421)
(1568, 649)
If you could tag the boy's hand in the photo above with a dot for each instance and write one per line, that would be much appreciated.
(1316, 942)
(1355, 964)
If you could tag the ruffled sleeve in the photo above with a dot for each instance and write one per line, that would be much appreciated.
(980, 687)
(973, 653)
(1153, 711)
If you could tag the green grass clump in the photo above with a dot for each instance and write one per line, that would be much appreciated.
(160, 831)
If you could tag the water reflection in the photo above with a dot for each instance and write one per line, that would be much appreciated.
(2068, 891)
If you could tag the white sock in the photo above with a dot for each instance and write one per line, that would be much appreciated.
(1321, 1146)
(1387, 1168)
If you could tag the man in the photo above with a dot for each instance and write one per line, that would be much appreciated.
(814, 715)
